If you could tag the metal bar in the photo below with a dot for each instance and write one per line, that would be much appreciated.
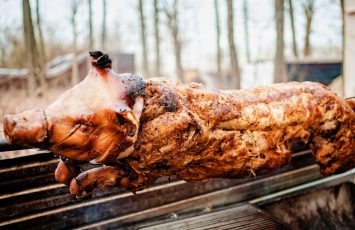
(237, 217)
(322, 183)
(77, 214)
(49, 203)
(5, 147)
(32, 190)
(27, 159)
(234, 194)
(209, 219)
(86, 204)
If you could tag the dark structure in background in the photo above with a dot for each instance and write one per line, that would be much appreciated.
(123, 62)
(323, 71)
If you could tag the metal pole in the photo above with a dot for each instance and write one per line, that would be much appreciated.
(4, 146)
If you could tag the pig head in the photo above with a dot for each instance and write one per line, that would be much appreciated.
(98, 119)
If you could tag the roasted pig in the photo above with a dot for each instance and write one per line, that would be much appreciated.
(140, 130)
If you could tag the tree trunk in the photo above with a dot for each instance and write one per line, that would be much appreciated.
(342, 26)
(157, 39)
(30, 48)
(292, 20)
(103, 32)
(177, 47)
(2, 54)
(232, 50)
(177, 42)
(342, 45)
(172, 16)
(218, 39)
(279, 74)
(91, 39)
(308, 10)
(143, 37)
(75, 66)
(42, 54)
(246, 29)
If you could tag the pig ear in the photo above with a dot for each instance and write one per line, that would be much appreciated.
(131, 115)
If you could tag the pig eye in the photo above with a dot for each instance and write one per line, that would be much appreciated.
(120, 119)
(84, 128)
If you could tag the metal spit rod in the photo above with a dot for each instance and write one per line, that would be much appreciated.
(4, 146)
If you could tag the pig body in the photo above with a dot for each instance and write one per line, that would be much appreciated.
(142, 130)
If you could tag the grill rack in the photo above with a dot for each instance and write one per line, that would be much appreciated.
(30, 197)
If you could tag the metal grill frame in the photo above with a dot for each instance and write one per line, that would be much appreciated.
(31, 198)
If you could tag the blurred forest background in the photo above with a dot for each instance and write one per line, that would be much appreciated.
(222, 43)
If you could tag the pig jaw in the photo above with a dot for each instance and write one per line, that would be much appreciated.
(28, 128)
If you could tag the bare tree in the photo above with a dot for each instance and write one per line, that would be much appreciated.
(143, 37)
(2, 54)
(232, 49)
(32, 78)
(173, 24)
(218, 45)
(91, 39)
(342, 6)
(103, 32)
(8, 36)
(279, 74)
(246, 28)
(75, 65)
(13, 46)
(292, 20)
(308, 8)
(156, 38)
(42, 54)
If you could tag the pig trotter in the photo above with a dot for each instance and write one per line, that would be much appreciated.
(66, 171)
(84, 183)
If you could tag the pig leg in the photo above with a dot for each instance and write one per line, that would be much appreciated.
(66, 171)
(105, 176)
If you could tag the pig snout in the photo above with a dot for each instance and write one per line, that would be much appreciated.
(27, 128)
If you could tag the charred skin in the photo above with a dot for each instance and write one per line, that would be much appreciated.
(196, 133)
(142, 130)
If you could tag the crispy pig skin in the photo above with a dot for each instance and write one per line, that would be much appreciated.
(140, 130)
(196, 134)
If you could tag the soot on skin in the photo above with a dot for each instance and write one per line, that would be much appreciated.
(134, 86)
(169, 101)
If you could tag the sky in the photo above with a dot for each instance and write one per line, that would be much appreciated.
(197, 24)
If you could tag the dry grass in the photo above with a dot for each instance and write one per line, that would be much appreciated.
(15, 101)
